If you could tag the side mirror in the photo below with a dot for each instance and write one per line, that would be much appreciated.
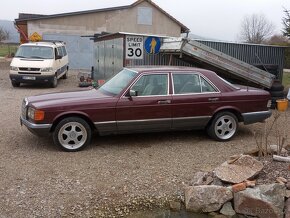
(57, 57)
(132, 93)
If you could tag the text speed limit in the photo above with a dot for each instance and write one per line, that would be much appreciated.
(134, 47)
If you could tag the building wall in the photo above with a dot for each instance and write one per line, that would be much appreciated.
(111, 21)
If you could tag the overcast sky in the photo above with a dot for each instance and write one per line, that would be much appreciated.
(218, 19)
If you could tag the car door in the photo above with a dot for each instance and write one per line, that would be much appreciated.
(194, 100)
(150, 109)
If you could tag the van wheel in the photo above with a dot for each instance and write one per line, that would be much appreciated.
(54, 82)
(15, 84)
(64, 76)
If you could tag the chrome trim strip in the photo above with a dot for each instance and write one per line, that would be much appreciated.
(186, 118)
(105, 122)
(34, 125)
(150, 120)
(147, 120)
(256, 113)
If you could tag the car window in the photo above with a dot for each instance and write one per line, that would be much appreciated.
(63, 50)
(206, 87)
(186, 83)
(59, 51)
(147, 85)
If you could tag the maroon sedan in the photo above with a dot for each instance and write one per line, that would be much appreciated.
(146, 100)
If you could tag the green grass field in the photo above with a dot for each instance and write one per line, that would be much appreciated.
(7, 49)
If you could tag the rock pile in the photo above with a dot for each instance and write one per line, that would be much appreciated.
(231, 189)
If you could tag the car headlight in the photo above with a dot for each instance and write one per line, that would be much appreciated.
(14, 68)
(47, 69)
(35, 114)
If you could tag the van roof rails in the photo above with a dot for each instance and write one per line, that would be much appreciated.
(52, 41)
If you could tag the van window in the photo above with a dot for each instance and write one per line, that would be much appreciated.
(38, 52)
(59, 51)
(63, 50)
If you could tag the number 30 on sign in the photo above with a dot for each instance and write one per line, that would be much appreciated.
(134, 47)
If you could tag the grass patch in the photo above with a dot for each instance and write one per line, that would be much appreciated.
(286, 79)
(6, 49)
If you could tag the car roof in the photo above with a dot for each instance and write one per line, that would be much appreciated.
(178, 69)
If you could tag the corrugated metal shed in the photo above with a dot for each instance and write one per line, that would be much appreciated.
(272, 57)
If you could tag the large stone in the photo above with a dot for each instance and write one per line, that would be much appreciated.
(287, 208)
(240, 170)
(201, 178)
(206, 198)
(274, 149)
(228, 210)
(265, 201)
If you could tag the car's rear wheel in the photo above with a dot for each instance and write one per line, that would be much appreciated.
(223, 126)
(72, 134)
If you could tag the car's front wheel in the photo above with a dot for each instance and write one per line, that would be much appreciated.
(72, 134)
(223, 126)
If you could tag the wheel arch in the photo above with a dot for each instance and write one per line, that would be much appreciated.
(74, 114)
(232, 110)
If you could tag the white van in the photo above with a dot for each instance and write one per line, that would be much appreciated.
(39, 62)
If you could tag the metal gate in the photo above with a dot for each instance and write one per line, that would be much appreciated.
(80, 50)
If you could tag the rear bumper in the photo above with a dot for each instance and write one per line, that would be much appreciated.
(37, 78)
(36, 129)
(254, 117)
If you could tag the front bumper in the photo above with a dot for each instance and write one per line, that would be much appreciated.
(254, 117)
(36, 78)
(37, 129)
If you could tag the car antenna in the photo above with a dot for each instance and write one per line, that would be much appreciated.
(261, 62)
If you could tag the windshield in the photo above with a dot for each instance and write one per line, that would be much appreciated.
(39, 52)
(116, 84)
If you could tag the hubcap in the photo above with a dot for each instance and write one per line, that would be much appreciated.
(225, 127)
(72, 135)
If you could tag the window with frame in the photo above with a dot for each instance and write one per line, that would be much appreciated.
(188, 83)
(148, 85)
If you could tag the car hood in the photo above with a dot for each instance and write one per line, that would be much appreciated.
(65, 98)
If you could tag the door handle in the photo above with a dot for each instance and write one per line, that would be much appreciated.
(164, 102)
(213, 99)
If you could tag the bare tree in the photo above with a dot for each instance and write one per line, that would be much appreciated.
(4, 34)
(286, 23)
(256, 29)
(278, 40)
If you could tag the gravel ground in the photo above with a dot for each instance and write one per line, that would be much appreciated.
(112, 176)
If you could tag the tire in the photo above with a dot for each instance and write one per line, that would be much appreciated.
(54, 82)
(72, 134)
(15, 84)
(277, 94)
(277, 87)
(223, 127)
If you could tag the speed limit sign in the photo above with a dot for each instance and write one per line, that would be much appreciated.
(134, 47)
